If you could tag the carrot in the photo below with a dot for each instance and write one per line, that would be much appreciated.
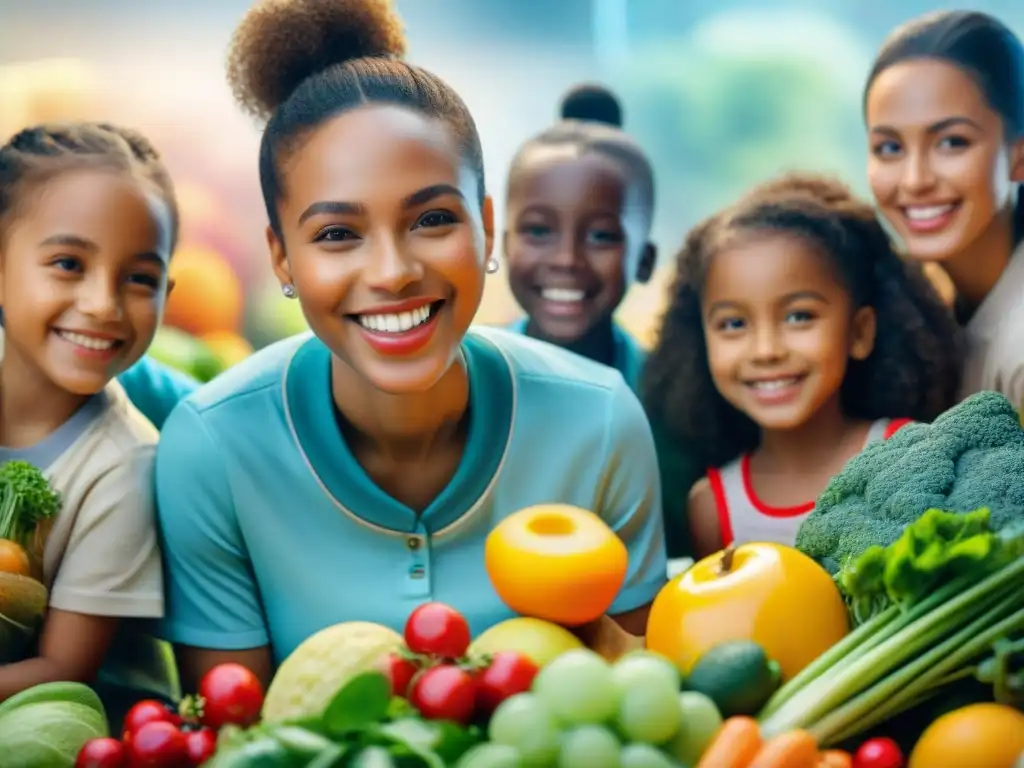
(792, 749)
(734, 745)
(835, 758)
(14, 558)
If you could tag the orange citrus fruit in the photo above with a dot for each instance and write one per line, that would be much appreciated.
(990, 735)
(556, 562)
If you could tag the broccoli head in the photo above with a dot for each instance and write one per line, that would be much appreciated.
(970, 457)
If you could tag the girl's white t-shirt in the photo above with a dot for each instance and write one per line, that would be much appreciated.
(995, 338)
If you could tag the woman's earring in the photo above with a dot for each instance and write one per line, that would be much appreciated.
(491, 266)
(288, 290)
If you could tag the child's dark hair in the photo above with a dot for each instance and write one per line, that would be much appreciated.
(912, 372)
(299, 63)
(981, 46)
(36, 154)
(591, 103)
(591, 116)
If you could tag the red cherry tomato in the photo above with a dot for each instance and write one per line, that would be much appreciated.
(157, 745)
(149, 711)
(444, 693)
(436, 629)
(400, 671)
(508, 673)
(231, 694)
(200, 745)
(878, 753)
(102, 753)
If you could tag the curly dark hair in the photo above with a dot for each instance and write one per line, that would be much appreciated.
(913, 371)
(299, 63)
(36, 154)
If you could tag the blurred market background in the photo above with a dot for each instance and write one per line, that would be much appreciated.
(722, 93)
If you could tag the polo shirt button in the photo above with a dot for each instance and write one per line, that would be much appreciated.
(413, 543)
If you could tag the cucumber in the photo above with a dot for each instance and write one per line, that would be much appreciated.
(74, 693)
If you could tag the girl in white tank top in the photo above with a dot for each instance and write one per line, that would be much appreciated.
(794, 334)
(743, 517)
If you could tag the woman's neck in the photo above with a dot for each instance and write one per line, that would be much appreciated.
(815, 443)
(404, 427)
(597, 344)
(31, 406)
(975, 271)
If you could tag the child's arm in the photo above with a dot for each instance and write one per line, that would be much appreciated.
(110, 570)
(72, 647)
(703, 515)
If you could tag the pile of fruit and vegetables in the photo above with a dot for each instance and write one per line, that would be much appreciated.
(891, 636)
(27, 507)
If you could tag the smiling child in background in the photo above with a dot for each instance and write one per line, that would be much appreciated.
(579, 210)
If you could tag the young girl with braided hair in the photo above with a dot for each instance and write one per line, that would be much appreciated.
(88, 222)
(794, 336)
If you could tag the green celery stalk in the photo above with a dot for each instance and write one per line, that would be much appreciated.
(898, 690)
(861, 639)
(849, 677)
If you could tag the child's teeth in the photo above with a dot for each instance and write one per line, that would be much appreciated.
(775, 384)
(89, 342)
(924, 213)
(562, 294)
(396, 323)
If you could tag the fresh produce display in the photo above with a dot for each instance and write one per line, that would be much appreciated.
(27, 507)
(539, 640)
(157, 735)
(584, 712)
(982, 734)
(931, 607)
(878, 753)
(903, 598)
(309, 678)
(556, 562)
(758, 592)
(737, 675)
(48, 724)
(970, 457)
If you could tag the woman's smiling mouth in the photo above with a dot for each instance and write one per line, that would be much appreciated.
(929, 218)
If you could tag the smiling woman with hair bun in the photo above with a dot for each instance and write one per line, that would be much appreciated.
(355, 473)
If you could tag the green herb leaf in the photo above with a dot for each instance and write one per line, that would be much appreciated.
(361, 702)
(329, 758)
(373, 757)
(299, 742)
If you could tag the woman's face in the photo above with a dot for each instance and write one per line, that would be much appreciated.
(384, 241)
(940, 166)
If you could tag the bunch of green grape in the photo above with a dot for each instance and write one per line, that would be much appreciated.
(584, 713)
